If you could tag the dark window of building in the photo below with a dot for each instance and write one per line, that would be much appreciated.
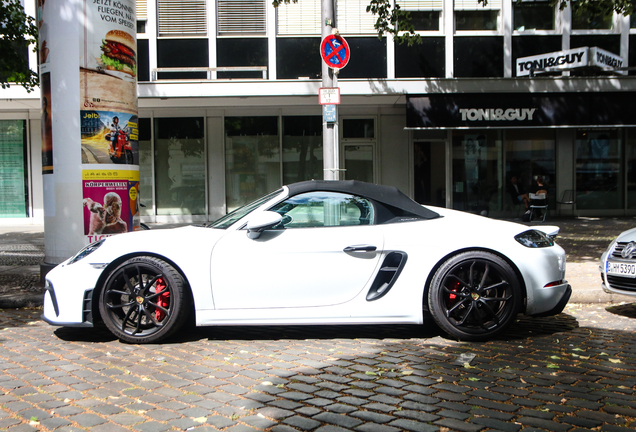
(298, 57)
(632, 53)
(367, 60)
(478, 56)
(235, 52)
(143, 62)
(302, 148)
(425, 20)
(22, 49)
(533, 15)
(420, 60)
(611, 43)
(182, 53)
(476, 20)
(358, 128)
(584, 19)
(599, 173)
(527, 45)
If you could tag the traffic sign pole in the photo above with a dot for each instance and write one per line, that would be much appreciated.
(329, 138)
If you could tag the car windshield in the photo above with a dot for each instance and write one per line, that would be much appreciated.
(230, 218)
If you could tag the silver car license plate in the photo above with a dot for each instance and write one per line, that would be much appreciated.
(621, 269)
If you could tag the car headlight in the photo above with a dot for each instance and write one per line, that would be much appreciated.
(534, 239)
(86, 251)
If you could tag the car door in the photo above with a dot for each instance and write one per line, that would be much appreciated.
(324, 253)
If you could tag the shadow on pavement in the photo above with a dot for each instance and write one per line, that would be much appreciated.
(627, 310)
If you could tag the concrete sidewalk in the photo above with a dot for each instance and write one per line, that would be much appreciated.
(584, 239)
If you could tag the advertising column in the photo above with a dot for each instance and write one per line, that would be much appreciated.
(90, 159)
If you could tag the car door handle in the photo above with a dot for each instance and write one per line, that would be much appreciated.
(360, 248)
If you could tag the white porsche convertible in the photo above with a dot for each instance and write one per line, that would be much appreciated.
(316, 252)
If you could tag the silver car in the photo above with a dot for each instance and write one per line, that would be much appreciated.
(618, 265)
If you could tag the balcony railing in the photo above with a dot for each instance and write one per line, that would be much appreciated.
(207, 70)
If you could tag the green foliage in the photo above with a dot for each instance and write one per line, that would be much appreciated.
(17, 31)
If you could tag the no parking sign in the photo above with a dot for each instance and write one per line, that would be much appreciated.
(334, 50)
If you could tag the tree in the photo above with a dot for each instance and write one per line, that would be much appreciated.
(17, 31)
(394, 21)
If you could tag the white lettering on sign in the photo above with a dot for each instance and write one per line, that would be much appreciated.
(550, 62)
(496, 114)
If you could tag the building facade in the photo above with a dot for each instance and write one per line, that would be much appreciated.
(228, 107)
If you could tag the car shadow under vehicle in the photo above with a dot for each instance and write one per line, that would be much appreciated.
(627, 310)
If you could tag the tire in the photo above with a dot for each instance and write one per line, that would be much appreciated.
(129, 157)
(474, 296)
(148, 312)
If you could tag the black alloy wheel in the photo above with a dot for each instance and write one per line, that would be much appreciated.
(144, 300)
(474, 296)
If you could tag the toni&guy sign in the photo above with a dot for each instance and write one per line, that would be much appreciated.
(568, 59)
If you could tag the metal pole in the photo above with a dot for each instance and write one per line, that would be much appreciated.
(329, 142)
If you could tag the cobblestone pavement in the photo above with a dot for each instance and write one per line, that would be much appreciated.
(572, 372)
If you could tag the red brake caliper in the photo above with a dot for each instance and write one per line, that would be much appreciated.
(163, 300)
(452, 298)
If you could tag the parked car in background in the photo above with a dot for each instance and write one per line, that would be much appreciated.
(618, 264)
(315, 252)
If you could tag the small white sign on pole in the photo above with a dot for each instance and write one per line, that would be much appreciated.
(329, 96)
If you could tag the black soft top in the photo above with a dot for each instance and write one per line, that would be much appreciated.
(387, 195)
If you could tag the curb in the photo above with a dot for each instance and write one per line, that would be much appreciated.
(16, 301)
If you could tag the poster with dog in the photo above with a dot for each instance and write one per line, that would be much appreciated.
(110, 203)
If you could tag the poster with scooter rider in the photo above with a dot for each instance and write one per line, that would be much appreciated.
(109, 137)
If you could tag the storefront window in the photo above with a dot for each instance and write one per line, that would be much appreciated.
(13, 196)
(252, 159)
(302, 148)
(145, 168)
(598, 169)
(180, 166)
(630, 156)
(529, 153)
(477, 170)
(359, 163)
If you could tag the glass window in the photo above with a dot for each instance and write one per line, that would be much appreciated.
(478, 56)
(235, 52)
(145, 168)
(529, 153)
(358, 128)
(229, 219)
(302, 148)
(143, 60)
(472, 20)
(13, 173)
(303, 52)
(425, 20)
(324, 209)
(421, 60)
(585, 19)
(533, 15)
(369, 60)
(180, 166)
(598, 169)
(180, 53)
(630, 156)
(252, 159)
(359, 162)
(477, 169)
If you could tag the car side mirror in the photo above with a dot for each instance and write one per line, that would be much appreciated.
(261, 222)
